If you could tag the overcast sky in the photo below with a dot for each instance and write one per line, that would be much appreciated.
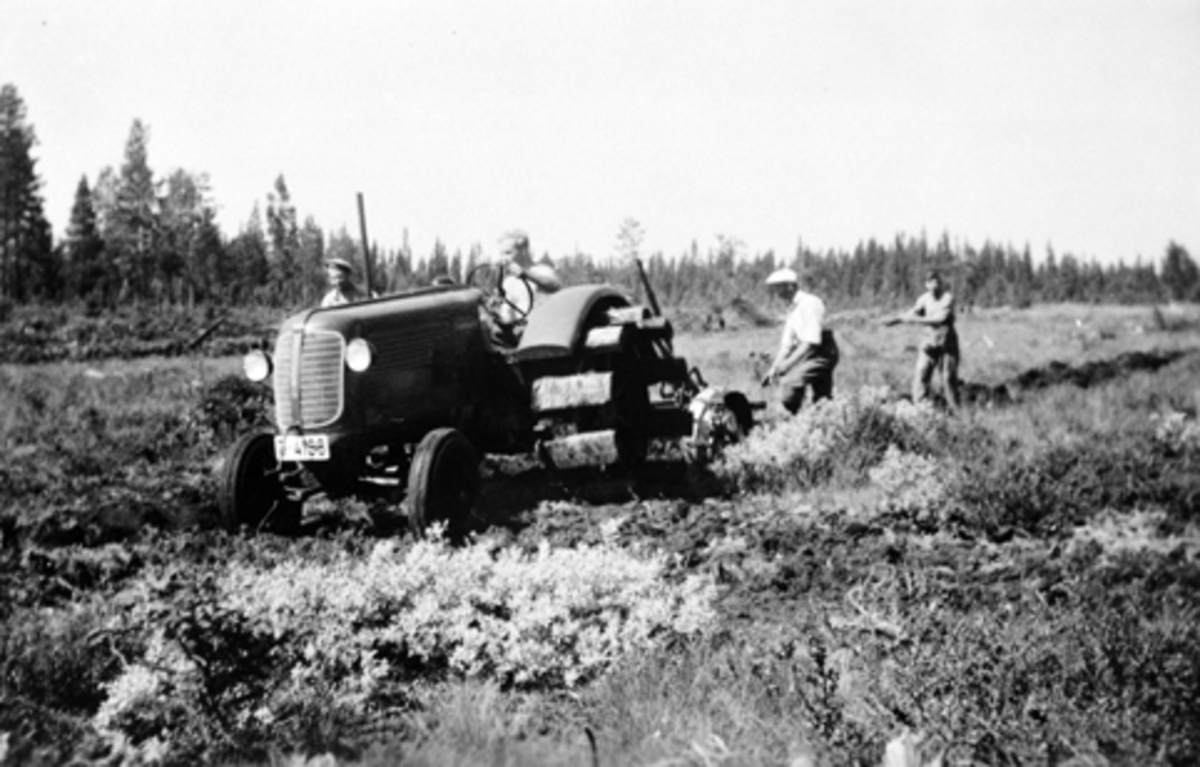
(1072, 123)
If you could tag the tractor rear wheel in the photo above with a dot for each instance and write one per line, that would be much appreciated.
(443, 483)
(631, 411)
(251, 494)
(628, 411)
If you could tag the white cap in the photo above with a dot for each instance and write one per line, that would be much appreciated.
(780, 276)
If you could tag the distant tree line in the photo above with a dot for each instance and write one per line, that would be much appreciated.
(891, 274)
(137, 237)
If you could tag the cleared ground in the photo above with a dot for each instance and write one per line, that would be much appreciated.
(1042, 606)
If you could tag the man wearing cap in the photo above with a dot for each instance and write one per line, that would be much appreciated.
(341, 289)
(808, 352)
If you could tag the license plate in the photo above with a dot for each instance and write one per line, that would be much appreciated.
(306, 447)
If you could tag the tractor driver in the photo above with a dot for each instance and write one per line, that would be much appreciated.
(523, 284)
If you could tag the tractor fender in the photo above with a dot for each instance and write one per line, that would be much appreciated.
(560, 321)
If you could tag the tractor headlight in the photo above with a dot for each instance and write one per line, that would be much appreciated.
(358, 355)
(257, 365)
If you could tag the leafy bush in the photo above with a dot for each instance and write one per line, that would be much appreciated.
(838, 441)
(556, 617)
(52, 658)
(1078, 659)
(288, 645)
(913, 486)
(1053, 489)
(232, 406)
(1176, 432)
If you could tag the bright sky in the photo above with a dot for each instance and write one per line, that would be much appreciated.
(1073, 123)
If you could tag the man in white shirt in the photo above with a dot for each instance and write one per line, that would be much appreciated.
(939, 346)
(519, 288)
(807, 352)
(523, 286)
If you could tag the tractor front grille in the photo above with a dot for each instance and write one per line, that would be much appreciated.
(308, 378)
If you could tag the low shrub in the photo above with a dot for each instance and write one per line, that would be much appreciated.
(1051, 490)
(258, 649)
(761, 696)
(1177, 433)
(913, 487)
(1073, 662)
(233, 405)
(56, 658)
(838, 441)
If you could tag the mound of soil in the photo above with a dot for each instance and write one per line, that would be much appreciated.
(1095, 372)
(1084, 375)
(751, 313)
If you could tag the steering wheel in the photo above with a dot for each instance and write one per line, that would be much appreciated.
(510, 300)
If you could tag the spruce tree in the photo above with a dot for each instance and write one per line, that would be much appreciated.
(312, 261)
(439, 263)
(247, 276)
(127, 215)
(178, 265)
(27, 265)
(87, 276)
(211, 270)
(283, 238)
(1180, 276)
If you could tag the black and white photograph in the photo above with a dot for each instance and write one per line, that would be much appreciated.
(684, 383)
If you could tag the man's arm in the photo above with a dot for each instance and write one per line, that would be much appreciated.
(917, 315)
(540, 275)
(786, 362)
(786, 344)
(793, 348)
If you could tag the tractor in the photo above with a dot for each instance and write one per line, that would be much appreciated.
(401, 396)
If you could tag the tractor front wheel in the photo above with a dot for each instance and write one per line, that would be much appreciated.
(251, 493)
(443, 483)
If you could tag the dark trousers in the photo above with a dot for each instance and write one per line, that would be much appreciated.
(791, 394)
(815, 373)
(942, 359)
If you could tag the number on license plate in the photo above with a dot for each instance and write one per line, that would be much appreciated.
(302, 447)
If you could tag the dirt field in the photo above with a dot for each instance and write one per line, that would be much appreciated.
(1019, 583)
